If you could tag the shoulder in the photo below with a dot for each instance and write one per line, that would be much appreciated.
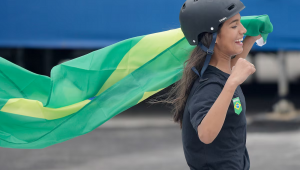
(203, 92)
(207, 86)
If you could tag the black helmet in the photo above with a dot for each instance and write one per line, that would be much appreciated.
(198, 16)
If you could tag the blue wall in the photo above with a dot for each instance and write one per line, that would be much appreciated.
(98, 23)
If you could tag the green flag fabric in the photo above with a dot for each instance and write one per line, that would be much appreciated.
(256, 25)
(81, 94)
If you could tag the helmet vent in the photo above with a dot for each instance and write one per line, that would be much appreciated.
(195, 0)
(231, 7)
(183, 6)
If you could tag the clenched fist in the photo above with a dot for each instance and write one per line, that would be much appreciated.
(241, 71)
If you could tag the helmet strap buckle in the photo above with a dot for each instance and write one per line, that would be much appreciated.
(210, 52)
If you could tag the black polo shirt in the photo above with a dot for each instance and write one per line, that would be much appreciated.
(228, 151)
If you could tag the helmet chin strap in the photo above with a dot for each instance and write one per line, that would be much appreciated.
(209, 53)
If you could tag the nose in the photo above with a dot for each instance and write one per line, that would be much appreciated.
(243, 30)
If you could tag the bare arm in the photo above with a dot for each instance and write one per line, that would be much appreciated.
(212, 123)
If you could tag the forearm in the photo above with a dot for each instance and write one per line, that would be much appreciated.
(247, 45)
(212, 123)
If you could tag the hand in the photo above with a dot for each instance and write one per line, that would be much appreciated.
(256, 37)
(241, 71)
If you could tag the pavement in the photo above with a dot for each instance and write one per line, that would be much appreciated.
(146, 142)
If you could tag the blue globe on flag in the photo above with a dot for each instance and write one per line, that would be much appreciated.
(237, 106)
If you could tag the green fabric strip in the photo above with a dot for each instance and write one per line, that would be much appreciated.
(19, 131)
(158, 73)
(139, 55)
(17, 82)
(81, 78)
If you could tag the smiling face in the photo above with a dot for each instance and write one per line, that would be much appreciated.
(228, 40)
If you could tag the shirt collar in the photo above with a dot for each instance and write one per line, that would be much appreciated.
(212, 69)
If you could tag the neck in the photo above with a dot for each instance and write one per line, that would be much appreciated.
(221, 60)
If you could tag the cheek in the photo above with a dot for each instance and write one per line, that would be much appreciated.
(227, 45)
(226, 42)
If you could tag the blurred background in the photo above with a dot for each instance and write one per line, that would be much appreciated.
(38, 35)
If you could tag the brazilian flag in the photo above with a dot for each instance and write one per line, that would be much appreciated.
(37, 111)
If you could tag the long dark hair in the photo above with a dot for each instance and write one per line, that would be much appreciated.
(179, 93)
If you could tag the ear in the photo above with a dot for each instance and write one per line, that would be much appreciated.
(217, 39)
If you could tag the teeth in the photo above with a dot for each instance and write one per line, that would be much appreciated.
(239, 40)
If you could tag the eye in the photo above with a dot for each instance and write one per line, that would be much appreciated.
(234, 27)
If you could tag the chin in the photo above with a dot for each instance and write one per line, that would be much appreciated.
(239, 52)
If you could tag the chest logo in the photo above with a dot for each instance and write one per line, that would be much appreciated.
(237, 105)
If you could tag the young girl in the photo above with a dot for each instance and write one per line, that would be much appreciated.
(210, 106)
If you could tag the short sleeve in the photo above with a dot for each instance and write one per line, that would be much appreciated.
(201, 102)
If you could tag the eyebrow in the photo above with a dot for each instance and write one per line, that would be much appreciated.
(234, 21)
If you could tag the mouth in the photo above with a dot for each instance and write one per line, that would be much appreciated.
(239, 42)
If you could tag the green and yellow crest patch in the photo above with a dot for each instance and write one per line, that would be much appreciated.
(237, 105)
